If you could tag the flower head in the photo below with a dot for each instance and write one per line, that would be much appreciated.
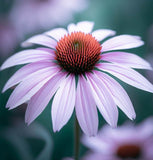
(125, 142)
(81, 52)
(71, 69)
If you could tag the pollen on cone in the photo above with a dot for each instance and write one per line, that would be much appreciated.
(78, 52)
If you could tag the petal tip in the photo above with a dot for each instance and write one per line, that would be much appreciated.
(113, 124)
(150, 67)
(3, 66)
(113, 32)
(3, 90)
(55, 130)
(142, 42)
(139, 43)
(26, 44)
(150, 89)
(28, 122)
(9, 108)
(133, 117)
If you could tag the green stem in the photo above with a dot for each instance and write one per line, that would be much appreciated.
(77, 140)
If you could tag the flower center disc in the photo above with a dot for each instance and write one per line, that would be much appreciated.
(78, 52)
(129, 151)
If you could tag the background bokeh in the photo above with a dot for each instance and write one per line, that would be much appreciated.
(20, 142)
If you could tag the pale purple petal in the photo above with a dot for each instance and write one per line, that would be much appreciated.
(26, 89)
(96, 144)
(84, 26)
(63, 103)
(126, 59)
(25, 71)
(40, 100)
(103, 99)
(26, 56)
(57, 33)
(51, 51)
(40, 40)
(146, 128)
(99, 156)
(127, 75)
(119, 95)
(101, 34)
(122, 42)
(71, 28)
(86, 110)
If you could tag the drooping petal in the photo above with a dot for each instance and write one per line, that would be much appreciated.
(40, 40)
(122, 42)
(103, 99)
(26, 89)
(126, 59)
(84, 26)
(63, 103)
(119, 95)
(26, 56)
(40, 100)
(127, 75)
(57, 33)
(86, 110)
(101, 34)
(25, 71)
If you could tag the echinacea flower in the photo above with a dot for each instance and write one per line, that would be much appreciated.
(129, 141)
(70, 71)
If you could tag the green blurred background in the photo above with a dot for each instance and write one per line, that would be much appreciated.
(19, 142)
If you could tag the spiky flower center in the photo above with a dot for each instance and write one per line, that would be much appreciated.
(78, 52)
(129, 151)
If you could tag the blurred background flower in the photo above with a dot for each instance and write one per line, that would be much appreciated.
(125, 142)
(30, 16)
